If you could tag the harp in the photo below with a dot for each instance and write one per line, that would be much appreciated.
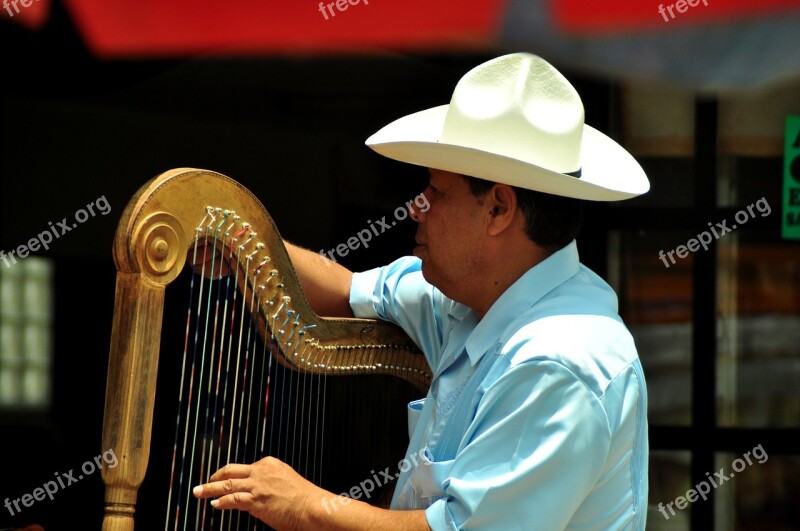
(172, 218)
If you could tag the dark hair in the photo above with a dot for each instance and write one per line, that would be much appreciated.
(551, 221)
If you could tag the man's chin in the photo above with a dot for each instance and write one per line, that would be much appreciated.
(425, 269)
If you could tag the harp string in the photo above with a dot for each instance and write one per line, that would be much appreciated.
(290, 401)
(200, 399)
(225, 376)
(233, 418)
(210, 431)
(299, 424)
(180, 400)
(206, 447)
(320, 433)
(191, 398)
(248, 382)
(267, 355)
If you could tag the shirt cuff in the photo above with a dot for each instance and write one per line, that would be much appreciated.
(362, 289)
(438, 519)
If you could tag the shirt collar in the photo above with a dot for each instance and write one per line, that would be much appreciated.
(521, 295)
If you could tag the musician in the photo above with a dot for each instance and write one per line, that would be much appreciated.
(536, 417)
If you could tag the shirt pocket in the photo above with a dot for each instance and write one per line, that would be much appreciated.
(414, 412)
(428, 478)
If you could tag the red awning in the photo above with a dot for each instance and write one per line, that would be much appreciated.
(710, 45)
(117, 28)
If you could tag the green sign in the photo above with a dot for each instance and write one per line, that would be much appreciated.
(791, 180)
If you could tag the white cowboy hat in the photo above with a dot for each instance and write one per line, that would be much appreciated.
(516, 120)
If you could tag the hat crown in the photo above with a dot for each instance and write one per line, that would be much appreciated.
(521, 107)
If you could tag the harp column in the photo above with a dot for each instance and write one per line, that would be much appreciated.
(148, 258)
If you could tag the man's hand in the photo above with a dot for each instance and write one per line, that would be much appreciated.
(326, 284)
(274, 493)
(208, 257)
(269, 489)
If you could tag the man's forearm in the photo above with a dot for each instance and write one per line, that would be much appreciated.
(346, 514)
(325, 283)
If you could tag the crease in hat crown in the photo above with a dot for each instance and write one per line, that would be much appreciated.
(520, 107)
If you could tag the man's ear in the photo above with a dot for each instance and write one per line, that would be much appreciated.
(501, 202)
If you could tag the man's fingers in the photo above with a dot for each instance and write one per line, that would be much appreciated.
(228, 494)
(238, 500)
(226, 480)
(233, 470)
(217, 488)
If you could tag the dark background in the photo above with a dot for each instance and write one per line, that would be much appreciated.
(291, 130)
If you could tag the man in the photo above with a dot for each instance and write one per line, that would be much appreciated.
(536, 417)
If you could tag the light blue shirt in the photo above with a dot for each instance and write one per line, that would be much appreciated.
(551, 433)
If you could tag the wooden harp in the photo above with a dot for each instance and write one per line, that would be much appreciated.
(160, 230)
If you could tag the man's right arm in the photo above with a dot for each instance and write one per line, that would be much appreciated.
(325, 282)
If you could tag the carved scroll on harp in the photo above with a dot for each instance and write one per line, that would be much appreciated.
(158, 231)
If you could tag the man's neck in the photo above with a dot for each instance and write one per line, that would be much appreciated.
(508, 268)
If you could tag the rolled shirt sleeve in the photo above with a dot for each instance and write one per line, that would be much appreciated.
(399, 294)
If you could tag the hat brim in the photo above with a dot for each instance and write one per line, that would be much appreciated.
(608, 171)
